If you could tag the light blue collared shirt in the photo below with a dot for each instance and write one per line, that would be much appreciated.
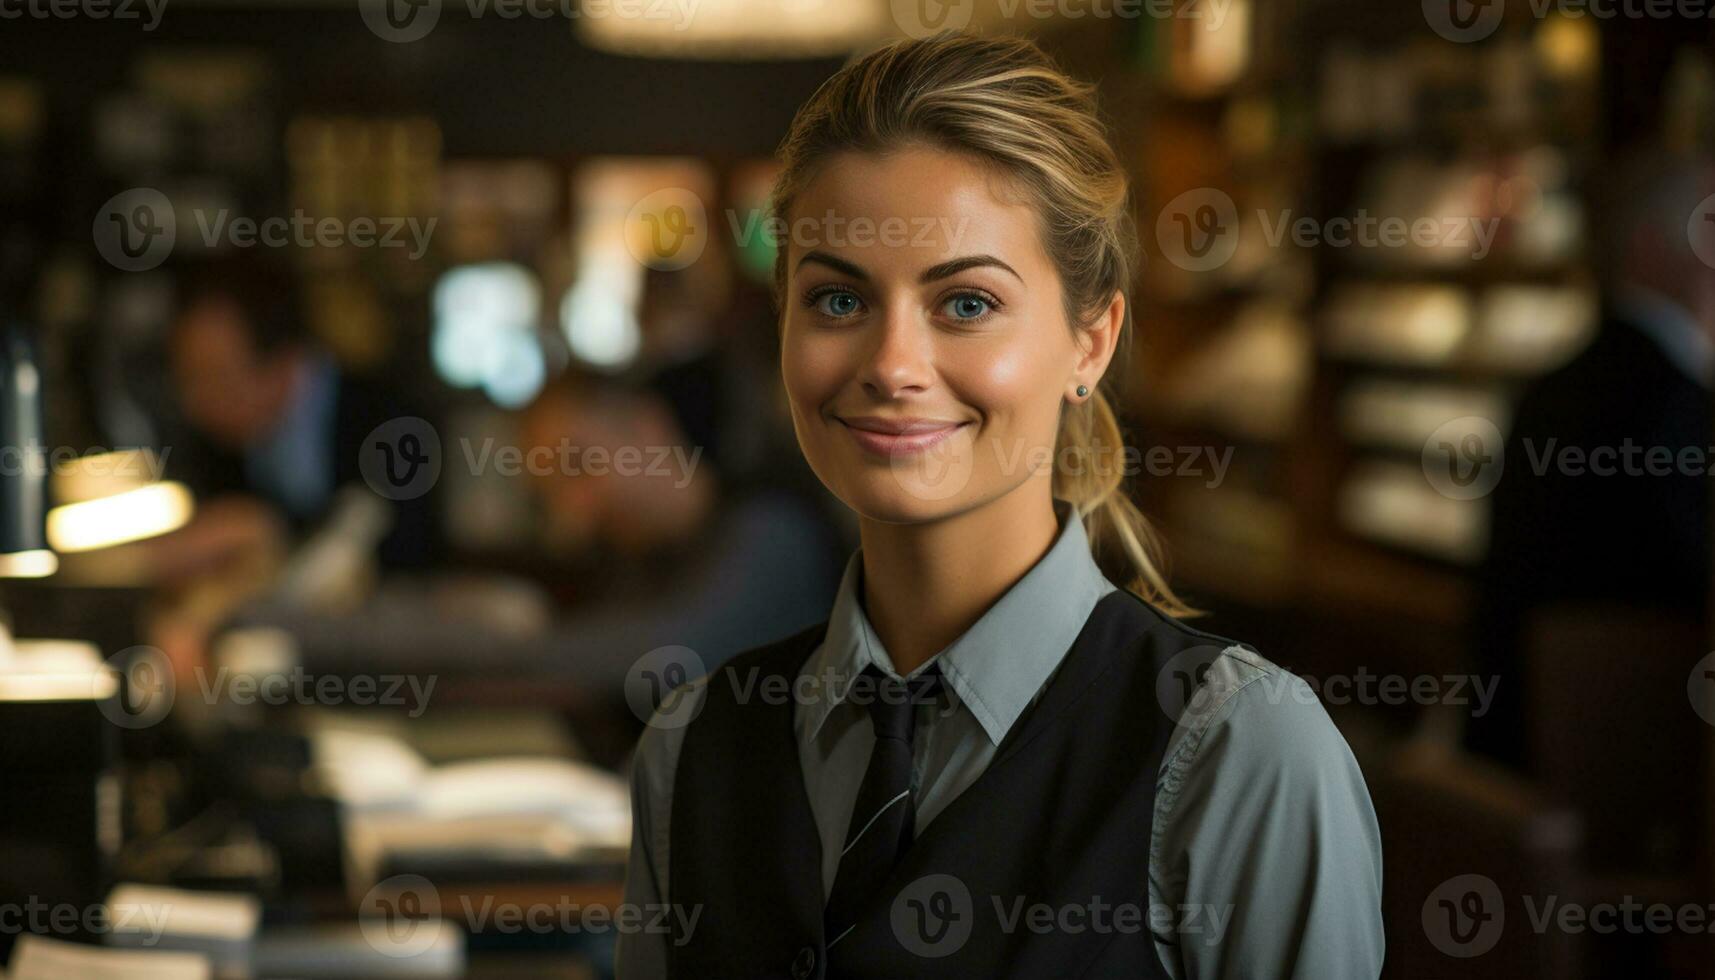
(1264, 842)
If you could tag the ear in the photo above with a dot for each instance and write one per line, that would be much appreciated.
(1097, 343)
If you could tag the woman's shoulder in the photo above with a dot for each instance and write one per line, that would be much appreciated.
(1244, 688)
(1261, 803)
(1202, 675)
(1226, 701)
(1251, 719)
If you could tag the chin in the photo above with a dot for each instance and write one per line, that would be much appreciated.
(905, 493)
(893, 505)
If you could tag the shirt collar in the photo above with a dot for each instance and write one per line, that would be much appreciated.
(998, 665)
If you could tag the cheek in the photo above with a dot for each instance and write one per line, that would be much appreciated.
(1015, 387)
(812, 368)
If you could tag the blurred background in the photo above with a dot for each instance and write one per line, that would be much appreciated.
(391, 413)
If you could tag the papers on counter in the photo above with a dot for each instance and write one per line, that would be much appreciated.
(219, 925)
(511, 814)
(37, 958)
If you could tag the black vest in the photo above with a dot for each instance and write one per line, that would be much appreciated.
(1039, 869)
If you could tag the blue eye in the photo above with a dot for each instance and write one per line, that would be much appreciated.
(837, 303)
(967, 307)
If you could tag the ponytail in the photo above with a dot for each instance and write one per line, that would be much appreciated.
(1090, 477)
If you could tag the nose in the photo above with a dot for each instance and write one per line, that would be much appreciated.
(901, 358)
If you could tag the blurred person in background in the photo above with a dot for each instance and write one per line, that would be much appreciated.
(658, 549)
(272, 427)
(267, 432)
(1564, 535)
(685, 556)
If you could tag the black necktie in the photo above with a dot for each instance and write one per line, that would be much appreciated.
(884, 817)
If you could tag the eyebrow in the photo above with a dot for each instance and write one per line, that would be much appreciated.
(949, 268)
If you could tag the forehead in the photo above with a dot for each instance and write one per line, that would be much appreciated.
(911, 208)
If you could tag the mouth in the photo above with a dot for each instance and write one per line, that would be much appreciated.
(898, 437)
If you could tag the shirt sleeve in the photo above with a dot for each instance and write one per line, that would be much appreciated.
(1266, 848)
(642, 954)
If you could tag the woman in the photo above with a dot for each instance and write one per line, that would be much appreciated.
(990, 761)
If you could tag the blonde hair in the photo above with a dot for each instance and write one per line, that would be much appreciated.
(1003, 101)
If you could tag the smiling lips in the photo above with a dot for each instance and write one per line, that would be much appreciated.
(898, 437)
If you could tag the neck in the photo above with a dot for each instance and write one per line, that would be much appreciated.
(925, 584)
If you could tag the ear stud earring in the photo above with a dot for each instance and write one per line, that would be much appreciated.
(1083, 390)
